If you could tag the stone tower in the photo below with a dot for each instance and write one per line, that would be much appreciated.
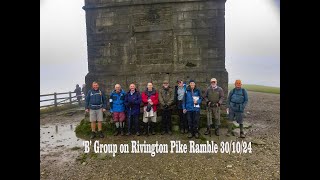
(137, 41)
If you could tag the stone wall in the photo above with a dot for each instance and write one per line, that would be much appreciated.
(136, 41)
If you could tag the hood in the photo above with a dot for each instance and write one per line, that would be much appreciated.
(152, 92)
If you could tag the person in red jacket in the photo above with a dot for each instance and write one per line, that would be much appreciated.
(150, 102)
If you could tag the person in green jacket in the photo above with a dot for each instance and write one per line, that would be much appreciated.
(214, 97)
(166, 99)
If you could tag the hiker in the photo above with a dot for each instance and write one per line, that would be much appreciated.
(214, 97)
(78, 94)
(117, 108)
(191, 106)
(132, 102)
(150, 102)
(166, 99)
(236, 103)
(84, 89)
(96, 104)
(180, 90)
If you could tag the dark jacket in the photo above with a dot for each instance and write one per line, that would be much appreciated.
(96, 99)
(187, 102)
(117, 101)
(166, 97)
(153, 96)
(77, 91)
(84, 89)
(132, 103)
(214, 95)
(237, 100)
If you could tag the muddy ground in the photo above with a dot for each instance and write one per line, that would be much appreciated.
(62, 156)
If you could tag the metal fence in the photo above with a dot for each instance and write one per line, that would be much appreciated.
(57, 99)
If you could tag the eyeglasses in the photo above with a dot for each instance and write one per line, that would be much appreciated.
(213, 82)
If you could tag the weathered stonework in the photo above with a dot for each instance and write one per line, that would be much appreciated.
(136, 41)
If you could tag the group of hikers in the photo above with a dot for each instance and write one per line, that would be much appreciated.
(185, 98)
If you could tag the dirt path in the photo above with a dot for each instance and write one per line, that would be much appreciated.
(62, 159)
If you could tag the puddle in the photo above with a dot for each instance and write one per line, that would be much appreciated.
(54, 137)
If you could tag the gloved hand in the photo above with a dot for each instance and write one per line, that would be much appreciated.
(165, 106)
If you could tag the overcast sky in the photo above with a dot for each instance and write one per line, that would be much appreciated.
(252, 43)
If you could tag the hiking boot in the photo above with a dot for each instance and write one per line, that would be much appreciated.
(122, 133)
(242, 135)
(128, 134)
(163, 132)
(207, 132)
(181, 131)
(138, 134)
(101, 134)
(217, 132)
(229, 133)
(117, 132)
(190, 135)
(170, 132)
(186, 131)
(93, 135)
(197, 135)
(144, 133)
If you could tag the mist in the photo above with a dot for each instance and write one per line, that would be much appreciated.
(252, 43)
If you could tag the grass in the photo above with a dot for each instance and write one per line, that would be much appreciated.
(258, 88)
(57, 109)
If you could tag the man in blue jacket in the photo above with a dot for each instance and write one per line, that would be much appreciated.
(236, 103)
(96, 104)
(132, 102)
(117, 108)
(191, 105)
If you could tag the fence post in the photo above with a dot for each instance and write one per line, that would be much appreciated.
(70, 97)
(55, 99)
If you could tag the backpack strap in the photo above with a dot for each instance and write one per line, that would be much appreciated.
(234, 89)
(100, 96)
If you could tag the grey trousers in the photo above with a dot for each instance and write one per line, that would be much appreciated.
(215, 111)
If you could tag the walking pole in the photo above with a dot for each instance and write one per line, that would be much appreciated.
(208, 120)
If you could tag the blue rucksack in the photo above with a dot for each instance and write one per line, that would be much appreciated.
(238, 99)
